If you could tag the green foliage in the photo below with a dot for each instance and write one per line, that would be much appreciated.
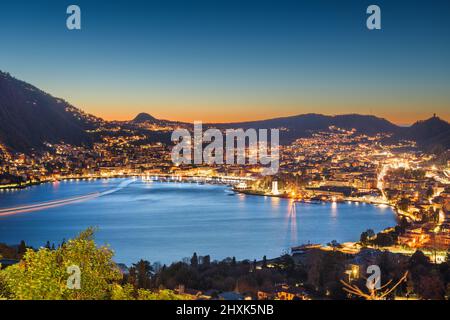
(140, 274)
(366, 236)
(4, 291)
(43, 274)
(384, 239)
(160, 295)
(128, 292)
(334, 244)
(194, 260)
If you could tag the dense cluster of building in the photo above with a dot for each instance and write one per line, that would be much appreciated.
(332, 165)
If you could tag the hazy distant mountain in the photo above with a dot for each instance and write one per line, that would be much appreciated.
(303, 125)
(29, 117)
(313, 121)
(144, 117)
(429, 133)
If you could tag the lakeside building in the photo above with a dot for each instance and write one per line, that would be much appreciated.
(275, 188)
(414, 238)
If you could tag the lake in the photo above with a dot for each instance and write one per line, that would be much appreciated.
(166, 221)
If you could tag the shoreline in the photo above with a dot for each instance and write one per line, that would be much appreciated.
(313, 201)
(206, 181)
(398, 213)
(37, 183)
(167, 176)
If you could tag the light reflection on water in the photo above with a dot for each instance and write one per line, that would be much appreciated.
(334, 209)
(291, 229)
(168, 221)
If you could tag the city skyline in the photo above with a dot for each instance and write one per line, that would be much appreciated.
(226, 150)
(231, 62)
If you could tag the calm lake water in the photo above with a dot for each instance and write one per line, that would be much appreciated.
(168, 221)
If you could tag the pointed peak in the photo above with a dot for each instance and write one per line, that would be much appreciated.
(143, 117)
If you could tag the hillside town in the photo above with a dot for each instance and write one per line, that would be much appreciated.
(334, 165)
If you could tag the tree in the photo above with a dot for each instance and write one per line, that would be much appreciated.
(403, 225)
(194, 260)
(160, 295)
(143, 270)
(314, 263)
(334, 244)
(366, 236)
(156, 266)
(403, 204)
(4, 290)
(431, 287)
(374, 294)
(363, 238)
(264, 262)
(22, 248)
(128, 292)
(131, 277)
(420, 267)
(43, 274)
(430, 192)
(384, 239)
(206, 260)
(419, 259)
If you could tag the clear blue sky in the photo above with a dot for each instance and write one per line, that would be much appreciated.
(220, 60)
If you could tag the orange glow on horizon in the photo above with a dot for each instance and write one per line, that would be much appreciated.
(124, 114)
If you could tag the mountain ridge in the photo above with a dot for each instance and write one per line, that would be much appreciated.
(29, 117)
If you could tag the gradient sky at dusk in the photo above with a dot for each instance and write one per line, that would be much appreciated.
(226, 60)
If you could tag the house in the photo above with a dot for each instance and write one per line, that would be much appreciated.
(265, 295)
(286, 292)
(193, 293)
(441, 240)
(181, 289)
(414, 238)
